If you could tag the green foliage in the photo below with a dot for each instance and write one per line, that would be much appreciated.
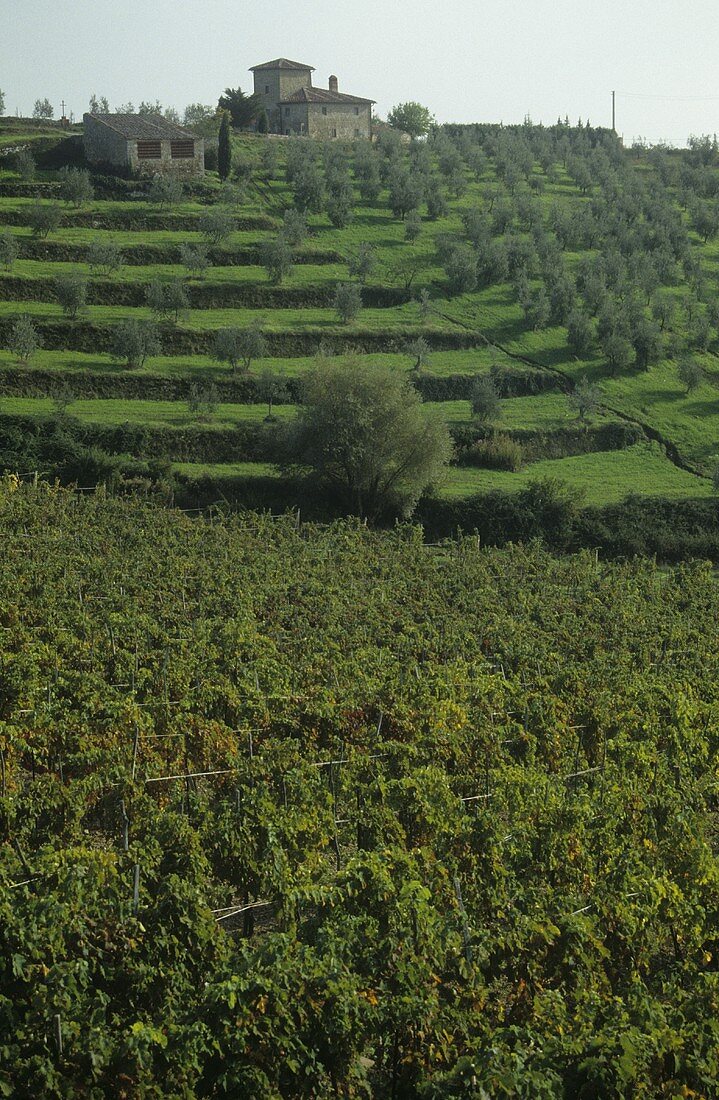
(71, 294)
(75, 186)
(216, 224)
(133, 342)
(44, 219)
(224, 149)
(168, 300)
(24, 340)
(235, 345)
(104, 256)
(43, 109)
(243, 109)
(277, 258)
(347, 302)
(165, 191)
(8, 249)
(485, 401)
(585, 398)
(690, 374)
(363, 431)
(203, 401)
(411, 117)
(363, 263)
(195, 259)
(25, 165)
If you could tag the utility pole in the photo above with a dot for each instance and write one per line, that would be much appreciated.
(614, 112)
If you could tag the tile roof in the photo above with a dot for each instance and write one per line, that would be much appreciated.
(282, 63)
(320, 95)
(143, 127)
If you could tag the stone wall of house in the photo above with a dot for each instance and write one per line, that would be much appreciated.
(272, 85)
(345, 121)
(294, 119)
(103, 145)
(183, 168)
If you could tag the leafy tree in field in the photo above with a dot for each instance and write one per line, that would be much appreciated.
(216, 224)
(71, 293)
(2, 102)
(404, 193)
(461, 268)
(585, 399)
(277, 258)
(62, 398)
(104, 256)
(580, 334)
(243, 109)
(24, 340)
(308, 189)
(165, 191)
(294, 227)
(347, 302)
(271, 388)
(424, 301)
(44, 218)
(43, 109)
(268, 160)
(647, 341)
(411, 117)
(235, 345)
(204, 400)
(485, 401)
(195, 259)
(8, 248)
(418, 351)
(618, 351)
(168, 300)
(133, 342)
(690, 374)
(25, 165)
(224, 148)
(363, 431)
(363, 262)
(412, 226)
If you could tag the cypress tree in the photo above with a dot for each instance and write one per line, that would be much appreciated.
(224, 150)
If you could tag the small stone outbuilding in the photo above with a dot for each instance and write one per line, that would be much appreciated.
(295, 106)
(147, 144)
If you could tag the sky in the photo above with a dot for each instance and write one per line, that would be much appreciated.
(467, 60)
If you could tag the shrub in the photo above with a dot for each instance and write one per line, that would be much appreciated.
(363, 262)
(690, 374)
(204, 400)
(485, 400)
(165, 191)
(134, 342)
(25, 165)
(71, 293)
(44, 218)
(216, 224)
(277, 258)
(294, 226)
(8, 249)
(195, 259)
(168, 300)
(499, 452)
(76, 186)
(24, 340)
(412, 226)
(104, 256)
(347, 302)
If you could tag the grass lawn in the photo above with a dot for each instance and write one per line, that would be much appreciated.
(604, 476)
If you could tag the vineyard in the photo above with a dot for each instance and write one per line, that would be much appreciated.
(576, 280)
(290, 810)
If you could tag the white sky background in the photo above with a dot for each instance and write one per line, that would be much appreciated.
(467, 60)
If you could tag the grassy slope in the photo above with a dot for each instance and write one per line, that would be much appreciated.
(655, 397)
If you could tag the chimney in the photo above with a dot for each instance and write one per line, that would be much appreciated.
(333, 84)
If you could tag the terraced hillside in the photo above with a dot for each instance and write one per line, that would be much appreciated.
(577, 277)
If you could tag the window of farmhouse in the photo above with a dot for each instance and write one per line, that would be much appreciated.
(149, 150)
(182, 150)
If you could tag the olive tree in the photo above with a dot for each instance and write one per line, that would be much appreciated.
(71, 293)
(24, 340)
(133, 342)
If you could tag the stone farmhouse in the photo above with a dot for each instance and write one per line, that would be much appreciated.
(147, 144)
(295, 106)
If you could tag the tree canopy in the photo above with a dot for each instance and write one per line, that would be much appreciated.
(411, 117)
(243, 109)
(363, 430)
